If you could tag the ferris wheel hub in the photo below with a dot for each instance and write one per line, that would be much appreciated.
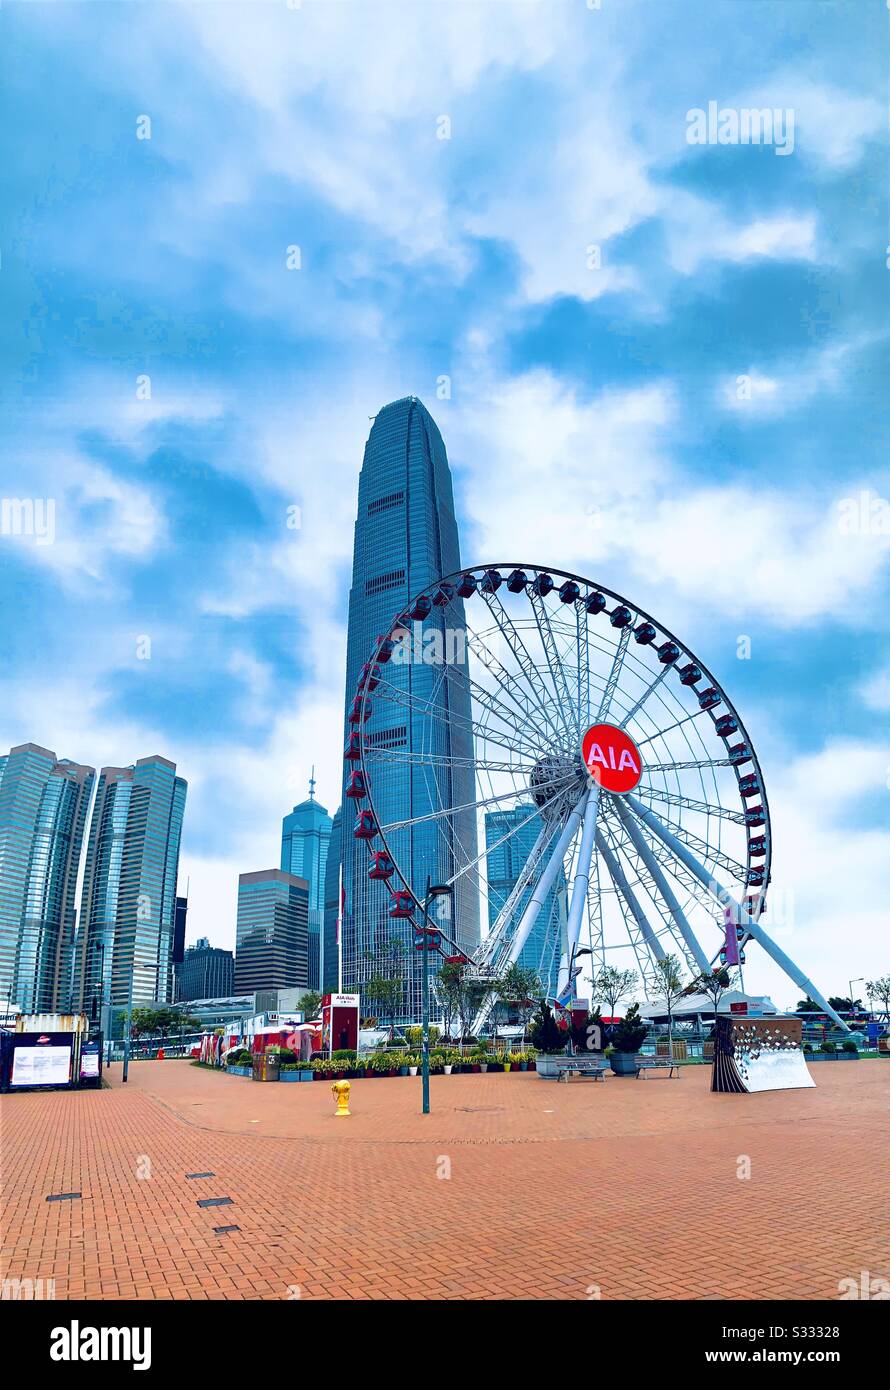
(557, 775)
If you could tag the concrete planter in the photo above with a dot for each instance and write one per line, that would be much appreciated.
(623, 1063)
(239, 1071)
(547, 1067)
(289, 1075)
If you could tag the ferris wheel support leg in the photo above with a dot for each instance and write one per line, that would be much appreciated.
(547, 879)
(743, 918)
(616, 873)
(580, 884)
(661, 883)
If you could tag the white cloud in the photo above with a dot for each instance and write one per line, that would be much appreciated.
(593, 484)
(875, 692)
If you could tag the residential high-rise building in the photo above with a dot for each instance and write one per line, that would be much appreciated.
(128, 906)
(305, 835)
(43, 807)
(504, 862)
(206, 972)
(272, 938)
(330, 953)
(406, 537)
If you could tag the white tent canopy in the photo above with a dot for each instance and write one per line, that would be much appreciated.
(697, 1004)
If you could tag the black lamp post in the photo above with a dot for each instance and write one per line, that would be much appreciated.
(441, 890)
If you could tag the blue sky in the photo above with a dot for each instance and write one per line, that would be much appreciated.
(686, 421)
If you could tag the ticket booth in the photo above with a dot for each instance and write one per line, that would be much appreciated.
(339, 1022)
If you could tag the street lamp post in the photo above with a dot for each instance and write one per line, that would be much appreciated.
(129, 1027)
(860, 980)
(439, 891)
(576, 952)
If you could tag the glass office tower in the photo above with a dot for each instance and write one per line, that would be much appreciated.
(272, 938)
(43, 808)
(406, 537)
(128, 904)
(504, 862)
(330, 951)
(305, 836)
(206, 972)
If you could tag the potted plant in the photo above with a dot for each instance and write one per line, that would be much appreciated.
(413, 1063)
(849, 1051)
(549, 1036)
(829, 1050)
(627, 1039)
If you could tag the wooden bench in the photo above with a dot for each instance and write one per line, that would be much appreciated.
(645, 1064)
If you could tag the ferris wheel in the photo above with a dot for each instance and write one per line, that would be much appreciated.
(558, 728)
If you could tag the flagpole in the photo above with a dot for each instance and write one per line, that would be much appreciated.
(340, 933)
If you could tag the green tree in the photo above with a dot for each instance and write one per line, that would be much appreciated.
(880, 989)
(519, 988)
(386, 987)
(841, 1004)
(545, 1033)
(713, 983)
(672, 988)
(808, 1006)
(160, 1020)
(310, 1003)
(447, 988)
(613, 985)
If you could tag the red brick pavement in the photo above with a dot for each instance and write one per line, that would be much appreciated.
(512, 1187)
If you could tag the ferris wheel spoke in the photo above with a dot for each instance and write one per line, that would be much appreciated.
(521, 654)
(536, 812)
(425, 709)
(612, 682)
(719, 856)
(743, 918)
(564, 701)
(516, 723)
(555, 863)
(495, 946)
(581, 880)
(528, 710)
(669, 729)
(695, 765)
(634, 709)
(446, 812)
(625, 893)
(397, 757)
(689, 803)
(657, 875)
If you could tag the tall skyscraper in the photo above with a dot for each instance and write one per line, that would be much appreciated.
(305, 836)
(272, 938)
(330, 953)
(206, 972)
(128, 905)
(504, 863)
(43, 808)
(406, 537)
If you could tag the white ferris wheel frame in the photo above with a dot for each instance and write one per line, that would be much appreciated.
(598, 829)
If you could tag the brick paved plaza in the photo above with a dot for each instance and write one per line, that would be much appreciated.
(513, 1187)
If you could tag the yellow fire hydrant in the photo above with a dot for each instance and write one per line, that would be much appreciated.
(341, 1090)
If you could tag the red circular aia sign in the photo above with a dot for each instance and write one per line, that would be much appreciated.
(612, 758)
